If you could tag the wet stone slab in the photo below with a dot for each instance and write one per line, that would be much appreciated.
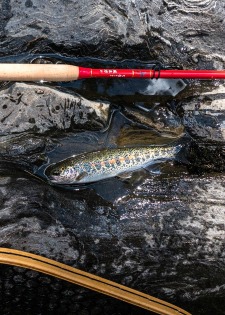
(204, 116)
(35, 108)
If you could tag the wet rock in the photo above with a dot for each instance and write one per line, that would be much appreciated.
(203, 119)
(25, 152)
(187, 32)
(169, 244)
(35, 108)
(202, 157)
(204, 116)
(159, 119)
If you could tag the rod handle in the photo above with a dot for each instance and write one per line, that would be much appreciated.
(38, 72)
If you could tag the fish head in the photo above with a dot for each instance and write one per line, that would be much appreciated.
(63, 174)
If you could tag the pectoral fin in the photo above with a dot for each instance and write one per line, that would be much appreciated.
(81, 176)
(153, 169)
(125, 175)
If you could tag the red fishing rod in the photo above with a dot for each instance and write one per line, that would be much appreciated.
(59, 72)
(150, 73)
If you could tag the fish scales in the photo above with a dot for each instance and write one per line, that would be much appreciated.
(98, 165)
(113, 161)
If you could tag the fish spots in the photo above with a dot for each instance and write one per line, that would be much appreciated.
(98, 166)
(121, 159)
(159, 152)
(107, 164)
(70, 170)
(87, 167)
(112, 161)
(138, 159)
(118, 162)
(102, 164)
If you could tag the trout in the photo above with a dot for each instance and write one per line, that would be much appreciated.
(98, 165)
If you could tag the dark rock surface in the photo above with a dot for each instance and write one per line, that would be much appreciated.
(173, 31)
(162, 232)
(204, 116)
(169, 244)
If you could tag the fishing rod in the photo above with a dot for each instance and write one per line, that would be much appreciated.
(60, 72)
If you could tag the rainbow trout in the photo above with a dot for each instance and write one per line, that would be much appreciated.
(98, 165)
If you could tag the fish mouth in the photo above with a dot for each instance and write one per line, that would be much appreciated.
(53, 179)
(60, 181)
(49, 169)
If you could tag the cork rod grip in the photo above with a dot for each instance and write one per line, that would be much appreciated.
(38, 72)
